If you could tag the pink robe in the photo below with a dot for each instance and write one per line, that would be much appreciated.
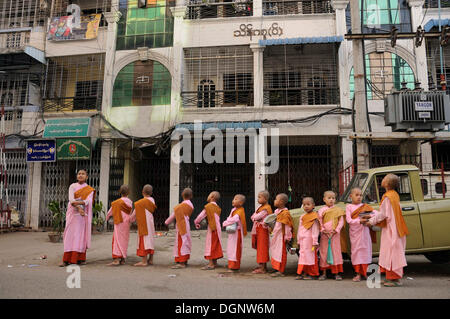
(306, 239)
(186, 244)
(233, 237)
(361, 243)
(121, 234)
(258, 219)
(149, 239)
(197, 221)
(77, 234)
(392, 247)
(335, 240)
(276, 244)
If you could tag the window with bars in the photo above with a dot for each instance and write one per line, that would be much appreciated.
(385, 71)
(23, 13)
(434, 64)
(218, 77)
(150, 27)
(380, 16)
(301, 75)
(74, 83)
(15, 89)
(435, 4)
(199, 9)
(142, 83)
(281, 7)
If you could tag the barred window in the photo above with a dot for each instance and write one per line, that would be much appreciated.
(218, 77)
(283, 7)
(384, 71)
(74, 83)
(301, 75)
(150, 27)
(142, 83)
(23, 13)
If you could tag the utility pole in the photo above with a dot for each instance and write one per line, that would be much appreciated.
(361, 125)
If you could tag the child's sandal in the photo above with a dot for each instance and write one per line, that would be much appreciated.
(389, 283)
(322, 277)
(299, 277)
(308, 277)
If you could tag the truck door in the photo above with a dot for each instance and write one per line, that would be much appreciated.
(410, 209)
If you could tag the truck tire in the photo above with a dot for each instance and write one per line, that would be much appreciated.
(438, 257)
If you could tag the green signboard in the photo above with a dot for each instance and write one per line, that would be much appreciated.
(67, 127)
(77, 148)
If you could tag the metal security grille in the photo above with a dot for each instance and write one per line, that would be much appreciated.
(74, 83)
(228, 179)
(198, 9)
(434, 64)
(218, 77)
(115, 178)
(311, 168)
(389, 155)
(19, 89)
(155, 170)
(57, 178)
(301, 75)
(13, 121)
(435, 4)
(17, 180)
(23, 13)
(296, 7)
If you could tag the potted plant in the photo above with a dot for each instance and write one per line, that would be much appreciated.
(98, 217)
(57, 222)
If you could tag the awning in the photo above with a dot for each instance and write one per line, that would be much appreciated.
(67, 127)
(221, 125)
(435, 23)
(300, 40)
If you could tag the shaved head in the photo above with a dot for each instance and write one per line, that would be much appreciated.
(147, 190)
(310, 199)
(124, 190)
(354, 189)
(392, 180)
(283, 197)
(329, 193)
(264, 194)
(214, 195)
(241, 198)
(187, 193)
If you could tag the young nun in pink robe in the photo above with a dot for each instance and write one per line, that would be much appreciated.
(360, 235)
(183, 242)
(77, 233)
(393, 232)
(282, 233)
(213, 245)
(307, 239)
(120, 211)
(331, 220)
(143, 214)
(236, 239)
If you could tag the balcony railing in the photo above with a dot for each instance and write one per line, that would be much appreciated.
(296, 7)
(204, 9)
(71, 104)
(14, 41)
(301, 96)
(215, 98)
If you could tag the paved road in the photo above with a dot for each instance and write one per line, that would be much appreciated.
(20, 280)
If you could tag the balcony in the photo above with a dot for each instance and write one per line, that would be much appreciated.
(435, 4)
(297, 7)
(13, 121)
(199, 9)
(216, 98)
(73, 104)
(14, 42)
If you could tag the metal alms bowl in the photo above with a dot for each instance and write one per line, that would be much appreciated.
(270, 220)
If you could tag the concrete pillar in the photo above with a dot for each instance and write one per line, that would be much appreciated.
(258, 75)
(260, 174)
(108, 83)
(419, 52)
(174, 175)
(257, 8)
(427, 157)
(104, 174)
(35, 194)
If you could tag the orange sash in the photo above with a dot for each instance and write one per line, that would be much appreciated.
(308, 219)
(141, 206)
(266, 207)
(365, 208)
(118, 206)
(182, 210)
(333, 214)
(84, 192)
(212, 209)
(241, 212)
(399, 220)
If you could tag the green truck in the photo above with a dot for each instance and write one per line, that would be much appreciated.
(428, 220)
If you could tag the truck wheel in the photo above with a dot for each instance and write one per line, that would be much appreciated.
(438, 257)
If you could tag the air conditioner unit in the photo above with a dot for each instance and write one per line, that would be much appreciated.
(417, 110)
